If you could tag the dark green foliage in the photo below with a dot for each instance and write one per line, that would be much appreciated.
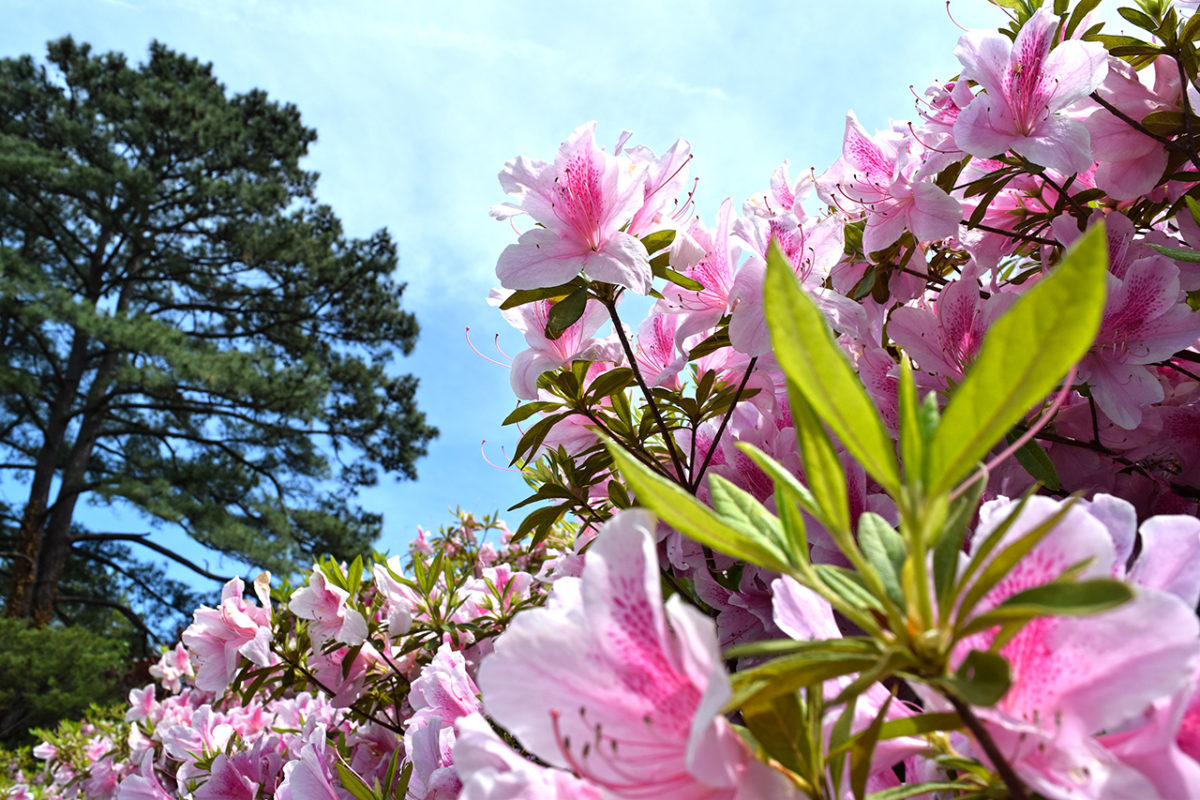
(187, 330)
(53, 673)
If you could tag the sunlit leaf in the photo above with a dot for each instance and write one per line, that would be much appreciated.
(1057, 598)
(1024, 355)
(693, 519)
(812, 360)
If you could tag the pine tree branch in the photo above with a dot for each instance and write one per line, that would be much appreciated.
(124, 610)
(140, 538)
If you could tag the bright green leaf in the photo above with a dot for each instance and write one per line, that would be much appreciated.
(1057, 598)
(693, 519)
(884, 550)
(826, 478)
(1024, 355)
(809, 356)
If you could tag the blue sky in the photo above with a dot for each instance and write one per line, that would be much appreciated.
(418, 105)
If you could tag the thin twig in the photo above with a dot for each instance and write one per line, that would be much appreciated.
(1024, 237)
(636, 452)
(699, 476)
(1016, 789)
(296, 665)
(1170, 144)
(637, 374)
(1178, 368)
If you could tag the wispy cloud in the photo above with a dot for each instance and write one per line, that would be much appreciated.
(675, 85)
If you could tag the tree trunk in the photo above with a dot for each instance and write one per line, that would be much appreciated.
(49, 539)
(31, 536)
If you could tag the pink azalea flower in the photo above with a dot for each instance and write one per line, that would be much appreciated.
(666, 176)
(430, 749)
(141, 703)
(227, 782)
(491, 770)
(743, 615)
(713, 268)
(1146, 320)
(1076, 677)
(400, 601)
(218, 637)
(887, 177)
(345, 680)
(443, 691)
(1027, 87)
(805, 616)
(604, 683)
(577, 342)
(308, 777)
(172, 668)
(1129, 163)
(783, 196)
(945, 340)
(657, 356)
(582, 201)
(812, 249)
(325, 605)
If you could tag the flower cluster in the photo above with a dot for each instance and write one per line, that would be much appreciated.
(920, 436)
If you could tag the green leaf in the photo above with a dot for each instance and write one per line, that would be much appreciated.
(681, 280)
(848, 585)
(659, 240)
(796, 490)
(693, 519)
(769, 647)
(609, 383)
(1057, 598)
(912, 438)
(401, 790)
(826, 478)
(739, 509)
(718, 341)
(809, 356)
(532, 439)
(920, 724)
(841, 739)
(992, 570)
(1082, 10)
(790, 673)
(884, 550)
(1033, 458)
(1162, 123)
(527, 410)
(566, 312)
(777, 725)
(1025, 354)
(948, 548)
(863, 749)
(929, 788)
(1193, 205)
(352, 783)
(522, 296)
(389, 779)
(981, 680)
(1178, 253)
(1138, 18)
(538, 521)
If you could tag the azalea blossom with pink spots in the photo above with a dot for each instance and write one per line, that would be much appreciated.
(598, 683)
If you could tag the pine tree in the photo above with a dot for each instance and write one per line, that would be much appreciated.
(187, 330)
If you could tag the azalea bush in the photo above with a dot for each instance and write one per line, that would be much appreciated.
(893, 492)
